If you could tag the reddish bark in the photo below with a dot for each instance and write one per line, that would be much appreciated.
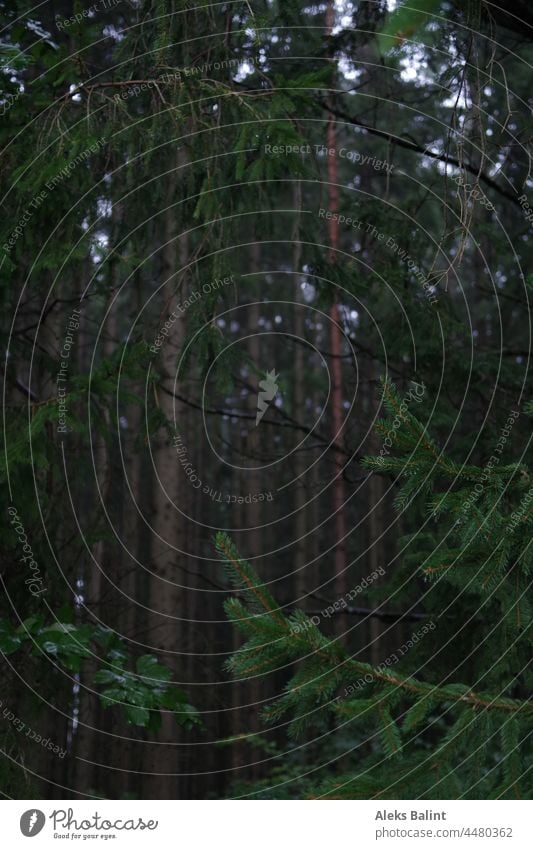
(336, 344)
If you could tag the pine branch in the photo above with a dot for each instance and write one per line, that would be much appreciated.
(415, 147)
(308, 643)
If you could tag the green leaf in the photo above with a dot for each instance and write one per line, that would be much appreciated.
(172, 698)
(28, 625)
(9, 643)
(50, 647)
(136, 715)
(188, 716)
(62, 627)
(151, 671)
(405, 22)
(106, 676)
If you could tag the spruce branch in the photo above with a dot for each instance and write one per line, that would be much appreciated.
(299, 639)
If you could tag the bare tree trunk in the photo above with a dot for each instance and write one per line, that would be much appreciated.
(339, 516)
(166, 629)
(84, 739)
(301, 585)
(376, 524)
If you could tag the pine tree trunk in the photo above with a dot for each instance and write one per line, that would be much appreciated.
(338, 493)
(301, 584)
(166, 631)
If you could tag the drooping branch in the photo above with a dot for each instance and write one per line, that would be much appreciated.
(288, 422)
(415, 147)
(333, 654)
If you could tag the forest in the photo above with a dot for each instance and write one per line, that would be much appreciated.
(266, 412)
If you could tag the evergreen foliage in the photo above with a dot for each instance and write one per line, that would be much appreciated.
(122, 200)
(461, 718)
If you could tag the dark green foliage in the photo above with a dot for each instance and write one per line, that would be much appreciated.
(173, 183)
(408, 719)
(141, 694)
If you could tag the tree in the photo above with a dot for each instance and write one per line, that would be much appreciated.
(177, 223)
(452, 702)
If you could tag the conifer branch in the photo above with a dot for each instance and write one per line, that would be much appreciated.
(334, 657)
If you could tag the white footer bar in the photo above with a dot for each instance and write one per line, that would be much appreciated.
(267, 824)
